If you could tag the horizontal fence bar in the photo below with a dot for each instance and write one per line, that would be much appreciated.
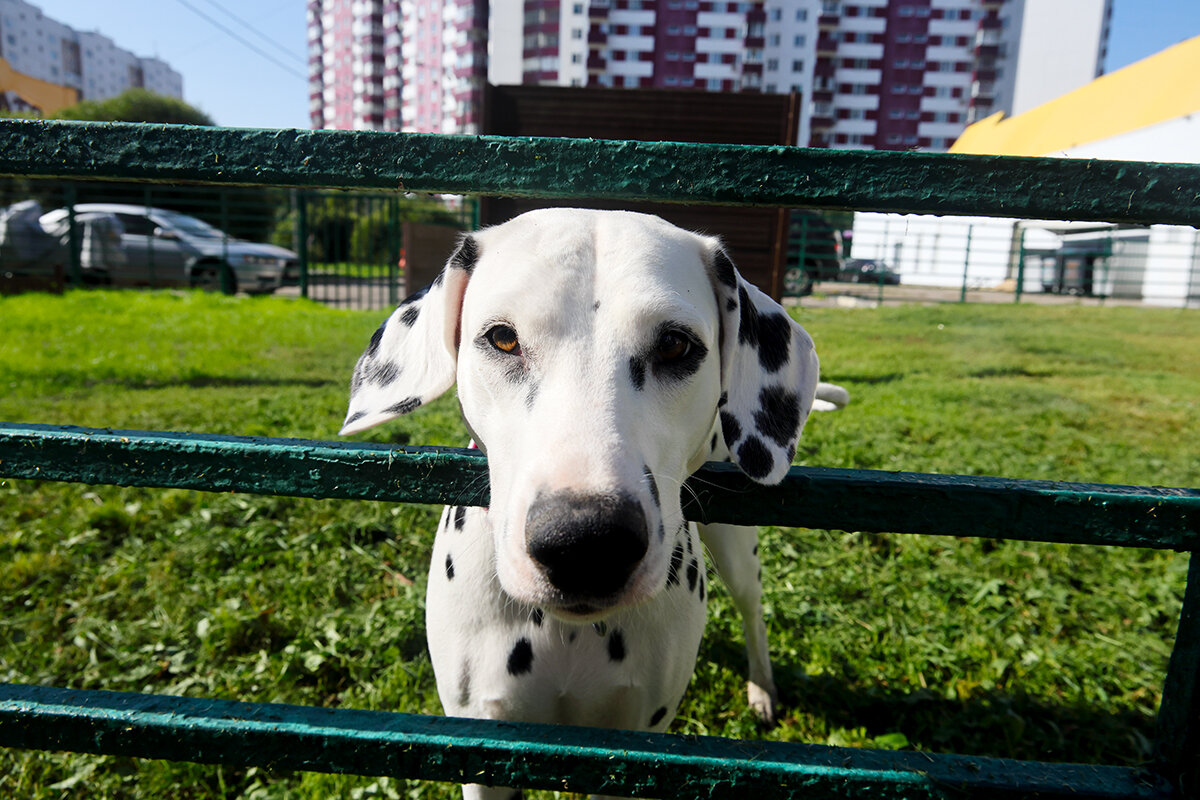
(840, 499)
(565, 758)
(927, 183)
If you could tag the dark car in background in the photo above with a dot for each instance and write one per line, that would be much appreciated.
(868, 270)
(814, 252)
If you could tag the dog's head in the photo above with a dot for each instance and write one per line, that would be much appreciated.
(598, 357)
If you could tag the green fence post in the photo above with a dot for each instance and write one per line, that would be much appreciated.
(1020, 267)
(302, 240)
(147, 198)
(962, 296)
(69, 197)
(226, 269)
(396, 245)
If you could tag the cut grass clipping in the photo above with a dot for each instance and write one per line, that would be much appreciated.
(932, 643)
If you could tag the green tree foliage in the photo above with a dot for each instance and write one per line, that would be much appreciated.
(136, 105)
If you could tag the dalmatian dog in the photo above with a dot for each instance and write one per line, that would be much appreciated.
(601, 357)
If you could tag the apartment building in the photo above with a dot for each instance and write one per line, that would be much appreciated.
(873, 74)
(40, 50)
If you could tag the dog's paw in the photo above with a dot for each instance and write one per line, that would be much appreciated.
(762, 700)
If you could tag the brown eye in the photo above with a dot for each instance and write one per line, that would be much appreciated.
(504, 339)
(672, 346)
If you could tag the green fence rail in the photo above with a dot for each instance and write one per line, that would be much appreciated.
(339, 740)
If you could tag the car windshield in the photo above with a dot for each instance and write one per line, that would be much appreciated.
(190, 226)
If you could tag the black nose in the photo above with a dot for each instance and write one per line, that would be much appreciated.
(587, 544)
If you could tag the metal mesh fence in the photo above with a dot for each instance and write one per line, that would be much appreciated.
(920, 258)
(340, 248)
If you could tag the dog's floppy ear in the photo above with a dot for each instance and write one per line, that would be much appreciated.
(413, 356)
(769, 374)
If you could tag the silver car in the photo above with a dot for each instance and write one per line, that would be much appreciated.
(165, 248)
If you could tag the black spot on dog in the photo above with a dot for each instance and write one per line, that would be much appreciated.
(730, 428)
(748, 325)
(466, 255)
(376, 338)
(774, 341)
(600, 627)
(701, 588)
(536, 616)
(355, 417)
(723, 400)
(712, 447)
(449, 568)
(616, 646)
(637, 372)
(657, 716)
(460, 517)
(760, 574)
(652, 483)
(724, 269)
(596, 306)
(520, 660)
(409, 317)
(385, 372)
(778, 415)
(755, 550)
(571, 638)
(404, 406)
(731, 304)
(693, 572)
(673, 566)
(754, 458)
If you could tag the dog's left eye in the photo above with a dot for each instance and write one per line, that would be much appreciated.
(672, 345)
(504, 339)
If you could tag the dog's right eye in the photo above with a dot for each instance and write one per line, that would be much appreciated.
(504, 339)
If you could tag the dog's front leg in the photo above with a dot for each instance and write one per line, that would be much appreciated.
(734, 550)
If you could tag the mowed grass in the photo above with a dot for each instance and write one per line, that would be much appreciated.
(934, 643)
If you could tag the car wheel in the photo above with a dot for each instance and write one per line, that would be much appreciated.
(214, 278)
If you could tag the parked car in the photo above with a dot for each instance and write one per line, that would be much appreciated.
(165, 248)
(868, 270)
(814, 252)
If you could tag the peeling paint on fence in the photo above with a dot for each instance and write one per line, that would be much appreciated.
(674, 172)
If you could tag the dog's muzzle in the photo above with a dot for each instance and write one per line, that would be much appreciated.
(586, 545)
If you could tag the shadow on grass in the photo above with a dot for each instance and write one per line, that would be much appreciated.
(984, 722)
(216, 382)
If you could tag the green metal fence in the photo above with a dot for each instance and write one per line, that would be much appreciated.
(375, 743)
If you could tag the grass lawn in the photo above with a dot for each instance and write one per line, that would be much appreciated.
(934, 643)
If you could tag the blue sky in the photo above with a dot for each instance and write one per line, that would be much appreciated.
(260, 83)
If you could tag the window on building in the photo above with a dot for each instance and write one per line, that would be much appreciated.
(773, 64)
(799, 40)
(798, 65)
(801, 15)
(774, 40)
(776, 14)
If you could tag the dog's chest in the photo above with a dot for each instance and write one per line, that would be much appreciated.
(494, 657)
